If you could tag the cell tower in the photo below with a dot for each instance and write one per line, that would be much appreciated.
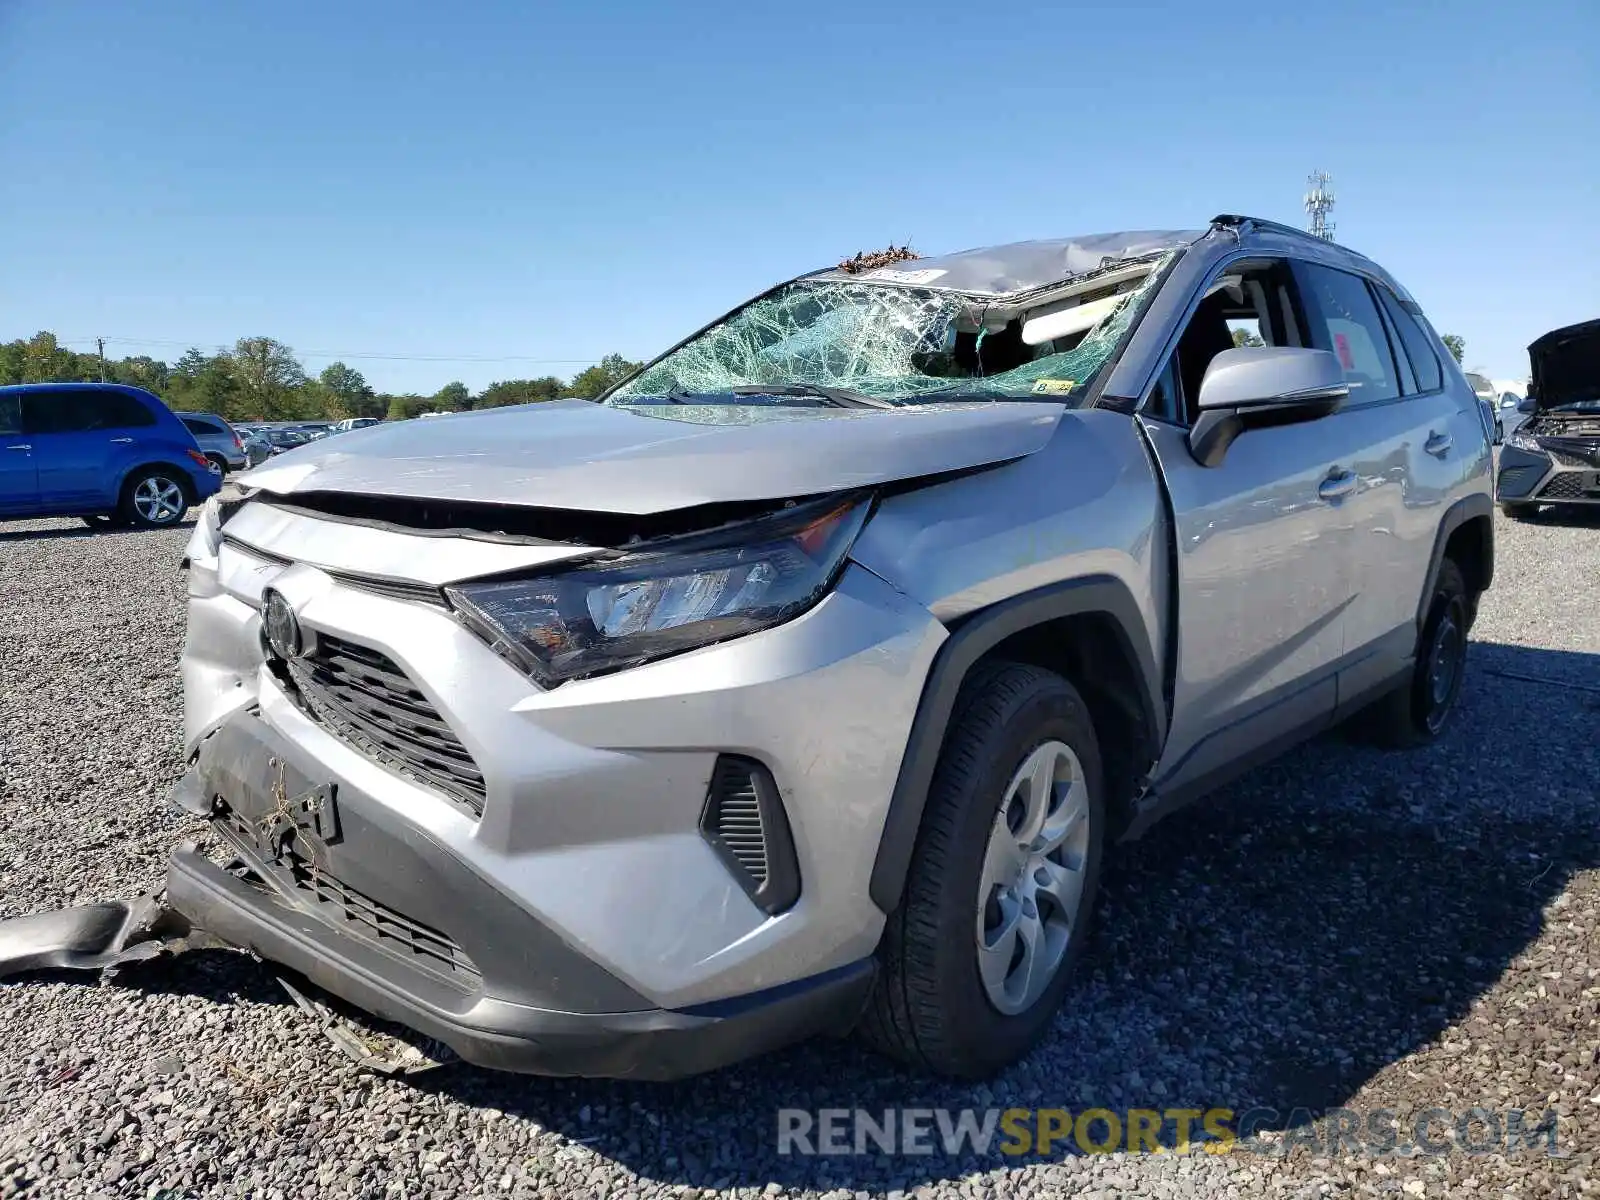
(1319, 204)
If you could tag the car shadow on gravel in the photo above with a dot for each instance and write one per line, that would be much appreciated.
(1272, 949)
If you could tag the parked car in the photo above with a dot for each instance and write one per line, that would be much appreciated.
(350, 423)
(1508, 412)
(105, 452)
(807, 675)
(256, 447)
(217, 440)
(281, 440)
(1553, 456)
(1488, 400)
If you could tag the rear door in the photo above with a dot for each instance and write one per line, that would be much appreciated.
(1414, 441)
(80, 438)
(19, 480)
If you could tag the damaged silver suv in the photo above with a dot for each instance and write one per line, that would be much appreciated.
(800, 683)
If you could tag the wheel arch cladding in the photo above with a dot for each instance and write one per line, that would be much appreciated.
(1466, 536)
(1090, 631)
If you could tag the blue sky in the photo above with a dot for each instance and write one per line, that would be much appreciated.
(523, 187)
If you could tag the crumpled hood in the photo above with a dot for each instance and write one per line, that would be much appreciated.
(1566, 365)
(573, 454)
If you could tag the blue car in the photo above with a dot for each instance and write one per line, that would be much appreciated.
(101, 451)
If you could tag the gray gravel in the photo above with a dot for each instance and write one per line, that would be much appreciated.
(1343, 928)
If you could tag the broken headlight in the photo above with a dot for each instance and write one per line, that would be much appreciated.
(672, 596)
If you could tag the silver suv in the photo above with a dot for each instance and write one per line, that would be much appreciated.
(800, 683)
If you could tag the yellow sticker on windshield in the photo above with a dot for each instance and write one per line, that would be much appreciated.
(1054, 387)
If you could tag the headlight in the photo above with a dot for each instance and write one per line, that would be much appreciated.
(672, 596)
(1524, 441)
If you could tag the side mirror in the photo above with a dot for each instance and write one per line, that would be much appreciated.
(1256, 387)
(1527, 404)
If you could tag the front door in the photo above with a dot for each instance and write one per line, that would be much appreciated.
(19, 483)
(79, 435)
(1264, 546)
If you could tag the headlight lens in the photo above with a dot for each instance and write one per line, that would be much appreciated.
(1524, 441)
(674, 596)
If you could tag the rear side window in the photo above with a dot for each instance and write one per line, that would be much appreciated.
(10, 414)
(1344, 319)
(1417, 345)
(201, 427)
(84, 411)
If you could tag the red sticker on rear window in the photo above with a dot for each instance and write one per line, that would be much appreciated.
(1342, 345)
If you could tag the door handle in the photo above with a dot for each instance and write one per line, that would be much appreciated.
(122, 441)
(1337, 485)
(19, 446)
(1438, 444)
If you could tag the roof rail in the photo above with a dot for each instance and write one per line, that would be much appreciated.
(1237, 221)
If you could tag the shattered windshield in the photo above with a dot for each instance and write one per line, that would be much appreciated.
(894, 343)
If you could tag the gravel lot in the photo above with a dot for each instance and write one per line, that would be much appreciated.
(1343, 928)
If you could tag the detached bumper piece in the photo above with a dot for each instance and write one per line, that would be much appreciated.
(93, 937)
(348, 895)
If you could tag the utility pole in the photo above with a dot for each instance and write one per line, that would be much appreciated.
(100, 344)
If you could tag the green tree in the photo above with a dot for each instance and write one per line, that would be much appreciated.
(189, 365)
(347, 390)
(591, 381)
(1455, 343)
(403, 408)
(268, 377)
(1243, 337)
(520, 391)
(452, 397)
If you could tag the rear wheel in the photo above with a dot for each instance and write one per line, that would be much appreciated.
(154, 499)
(1418, 713)
(976, 959)
(218, 463)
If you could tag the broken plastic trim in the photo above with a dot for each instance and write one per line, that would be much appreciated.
(96, 937)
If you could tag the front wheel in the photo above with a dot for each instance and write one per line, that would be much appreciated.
(154, 499)
(976, 959)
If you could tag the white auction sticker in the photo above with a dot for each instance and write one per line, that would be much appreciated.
(926, 275)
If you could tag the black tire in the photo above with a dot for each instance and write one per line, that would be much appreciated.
(100, 522)
(220, 463)
(131, 505)
(1417, 713)
(929, 1008)
(1519, 512)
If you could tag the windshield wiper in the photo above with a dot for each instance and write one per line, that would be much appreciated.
(842, 397)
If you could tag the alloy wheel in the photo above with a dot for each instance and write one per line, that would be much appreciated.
(158, 500)
(1033, 877)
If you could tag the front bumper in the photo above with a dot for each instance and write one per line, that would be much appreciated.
(480, 974)
(1570, 476)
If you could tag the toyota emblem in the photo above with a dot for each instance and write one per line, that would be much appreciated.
(281, 626)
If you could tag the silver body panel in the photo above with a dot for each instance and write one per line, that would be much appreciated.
(1284, 604)
(571, 454)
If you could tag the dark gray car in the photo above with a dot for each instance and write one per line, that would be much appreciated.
(218, 440)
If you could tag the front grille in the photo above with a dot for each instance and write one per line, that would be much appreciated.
(1566, 486)
(1568, 459)
(363, 696)
(357, 912)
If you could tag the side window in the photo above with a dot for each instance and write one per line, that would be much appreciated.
(118, 410)
(1345, 320)
(45, 411)
(1250, 303)
(1165, 403)
(1416, 343)
(200, 428)
(11, 413)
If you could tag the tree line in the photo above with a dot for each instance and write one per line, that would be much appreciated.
(259, 379)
